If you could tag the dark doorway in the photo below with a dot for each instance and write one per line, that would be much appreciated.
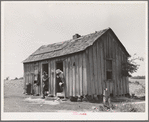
(59, 65)
(45, 68)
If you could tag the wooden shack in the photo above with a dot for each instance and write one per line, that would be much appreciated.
(90, 63)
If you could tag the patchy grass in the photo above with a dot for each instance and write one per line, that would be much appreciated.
(131, 107)
(15, 101)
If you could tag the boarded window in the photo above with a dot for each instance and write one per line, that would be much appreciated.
(109, 69)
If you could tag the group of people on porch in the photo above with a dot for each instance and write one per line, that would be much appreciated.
(62, 85)
(61, 81)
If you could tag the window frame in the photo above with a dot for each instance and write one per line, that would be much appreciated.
(109, 70)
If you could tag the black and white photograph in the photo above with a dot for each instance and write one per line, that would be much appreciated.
(74, 60)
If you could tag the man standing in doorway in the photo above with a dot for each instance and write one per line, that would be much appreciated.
(62, 84)
(45, 83)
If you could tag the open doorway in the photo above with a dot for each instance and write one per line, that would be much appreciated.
(45, 69)
(59, 65)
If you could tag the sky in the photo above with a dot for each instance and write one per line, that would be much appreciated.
(28, 25)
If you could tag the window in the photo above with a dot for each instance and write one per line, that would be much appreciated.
(109, 69)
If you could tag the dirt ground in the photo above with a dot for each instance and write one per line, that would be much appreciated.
(15, 101)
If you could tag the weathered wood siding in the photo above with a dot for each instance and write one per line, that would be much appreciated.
(112, 51)
(75, 72)
(85, 72)
(106, 48)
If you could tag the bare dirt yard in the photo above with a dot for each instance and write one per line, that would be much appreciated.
(15, 101)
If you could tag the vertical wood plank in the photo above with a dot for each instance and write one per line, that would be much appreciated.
(116, 90)
(24, 77)
(27, 73)
(107, 46)
(88, 73)
(91, 70)
(117, 69)
(66, 69)
(38, 72)
(84, 75)
(71, 76)
(119, 80)
(113, 68)
(24, 68)
(33, 77)
(73, 69)
(55, 60)
(68, 85)
(54, 78)
(121, 55)
(30, 77)
(104, 40)
(77, 76)
(103, 64)
(127, 85)
(95, 67)
(40, 77)
(80, 74)
(49, 75)
(123, 76)
(120, 71)
(31, 73)
(110, 47)
(127, 78)
(124, 80)
(99, 68)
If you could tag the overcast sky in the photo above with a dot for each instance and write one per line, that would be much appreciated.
(28, 25)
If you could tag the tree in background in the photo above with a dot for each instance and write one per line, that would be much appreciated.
(131, 66)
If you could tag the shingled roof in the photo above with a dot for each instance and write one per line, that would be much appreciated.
(66, 47)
